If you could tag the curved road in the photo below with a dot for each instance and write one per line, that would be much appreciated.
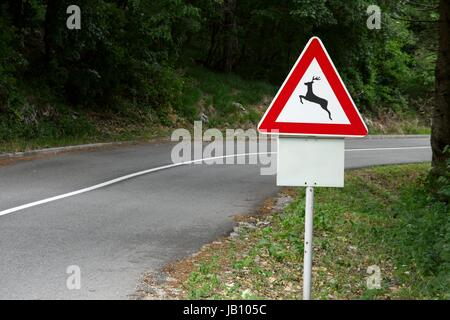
(116, 232)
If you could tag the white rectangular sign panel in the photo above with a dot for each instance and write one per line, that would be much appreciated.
(311, 162)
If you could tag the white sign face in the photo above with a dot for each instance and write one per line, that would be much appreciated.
(313, 100)
(310, 162)
(302, 110)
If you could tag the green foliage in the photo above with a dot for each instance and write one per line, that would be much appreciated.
(385, 70)
(148, 58)
(422, 240)
(383, 216)
(203, 282)
(414, 229)
(217, 94)
(123, 55)
(120, 53)
(444, 179)
(9, 62)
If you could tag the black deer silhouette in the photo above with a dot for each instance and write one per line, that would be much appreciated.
(310, 96)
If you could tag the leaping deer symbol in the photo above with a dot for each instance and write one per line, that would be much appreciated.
(310, 96)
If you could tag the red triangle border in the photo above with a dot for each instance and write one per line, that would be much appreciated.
(314, 49)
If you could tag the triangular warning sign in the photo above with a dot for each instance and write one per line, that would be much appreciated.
(313, 100)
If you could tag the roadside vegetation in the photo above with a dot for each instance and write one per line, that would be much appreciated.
(219, 100)
(136, 69)
(383, 217)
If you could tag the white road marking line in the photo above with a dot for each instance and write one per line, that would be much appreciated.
(120, 179)
(384, 149)
(144, 172)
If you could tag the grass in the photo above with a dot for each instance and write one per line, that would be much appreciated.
(399, 124)
(383, 217)
(227, 100)
(89, 129)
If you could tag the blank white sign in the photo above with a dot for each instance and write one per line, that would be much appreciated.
(310, 162)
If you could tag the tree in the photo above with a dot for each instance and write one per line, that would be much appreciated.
(220, 33)
(440, 132)
(50, 27)
(231, 40)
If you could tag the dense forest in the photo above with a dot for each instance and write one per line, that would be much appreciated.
(134, 54)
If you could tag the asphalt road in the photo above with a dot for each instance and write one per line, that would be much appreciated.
(117, 232)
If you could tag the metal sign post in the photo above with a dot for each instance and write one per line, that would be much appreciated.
(310, 163)
(315, 162)
(312, 113)
(308, 247)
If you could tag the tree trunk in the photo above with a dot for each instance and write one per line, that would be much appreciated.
(440, 131)
(50, 28)
(212, 45)
(231, 40)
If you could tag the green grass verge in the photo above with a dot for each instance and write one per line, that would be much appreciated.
(407, 123)
(227, 99)
(384, 217)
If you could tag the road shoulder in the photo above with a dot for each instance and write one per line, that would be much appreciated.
(358, 230)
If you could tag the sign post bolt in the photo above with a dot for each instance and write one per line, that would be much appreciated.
(308, 248)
